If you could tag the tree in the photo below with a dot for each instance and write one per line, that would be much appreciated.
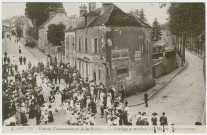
(142, 15)
(19, 31)
(135, 12)
(38, 12)
(186, 20)
(55, 34)
(156, 31)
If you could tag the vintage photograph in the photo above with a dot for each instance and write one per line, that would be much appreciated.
(113, 64)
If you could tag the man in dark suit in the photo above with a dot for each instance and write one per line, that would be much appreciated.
(163, 120)
(20, 60)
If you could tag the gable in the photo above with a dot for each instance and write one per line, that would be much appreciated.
(54, 20)
(119, 18)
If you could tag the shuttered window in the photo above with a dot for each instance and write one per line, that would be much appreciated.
(79, 45)
(86, 45)
(96, 45)
(92, 45)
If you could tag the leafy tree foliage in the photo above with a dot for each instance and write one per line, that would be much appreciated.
(19, 31)
(142, 15)
(136, 12)
(55, 34)
(156, 31)
(187, 18)
(38, 12)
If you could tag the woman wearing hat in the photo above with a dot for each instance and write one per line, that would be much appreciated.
(154, 119)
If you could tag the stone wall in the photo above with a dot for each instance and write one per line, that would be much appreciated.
(160, 69)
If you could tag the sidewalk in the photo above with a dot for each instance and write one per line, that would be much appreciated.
(36, 52)
(138, 99)
(195, 53)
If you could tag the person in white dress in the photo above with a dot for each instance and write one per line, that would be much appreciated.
(58, 100)
(108, 101)
(101, 97)
(68, 115)
(71, 103)
(88, 100)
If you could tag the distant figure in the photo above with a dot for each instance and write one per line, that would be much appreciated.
(20, 51)
(8, 60)
(5, 54)
(146, 99)
(122, 90)
(15, 67)
(5, 59)
(24, 59)
(29, 65)
(20, 60)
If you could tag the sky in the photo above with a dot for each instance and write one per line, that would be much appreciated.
(151, 10)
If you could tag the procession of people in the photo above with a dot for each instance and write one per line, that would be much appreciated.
(34, 93)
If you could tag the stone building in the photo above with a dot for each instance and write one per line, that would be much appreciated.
(57, 17)
(112, 47)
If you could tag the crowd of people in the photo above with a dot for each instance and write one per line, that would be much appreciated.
(35, 92)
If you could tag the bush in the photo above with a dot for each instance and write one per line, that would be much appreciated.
(168, 54)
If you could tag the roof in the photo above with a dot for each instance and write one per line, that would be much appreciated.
(69, 29)
(114, 16)
(48, 20)
(139, 20)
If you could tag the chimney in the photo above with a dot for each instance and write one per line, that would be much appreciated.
(83, 9)
(92, 6)
(51, 13)
(105, 6)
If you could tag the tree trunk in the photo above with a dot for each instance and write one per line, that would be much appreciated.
(184, 44)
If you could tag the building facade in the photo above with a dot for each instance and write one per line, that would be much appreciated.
(112, 48)
(57, 17)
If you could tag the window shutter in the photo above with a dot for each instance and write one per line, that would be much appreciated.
(92, 46)
(77, 45)
(97, 45)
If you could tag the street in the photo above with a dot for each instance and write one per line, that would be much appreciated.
(12, 49)
(182, 99)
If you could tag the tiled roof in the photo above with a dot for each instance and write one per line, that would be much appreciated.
(81, 24)
(114, 16)
(69, 29)
(48, 20)
(102, 18)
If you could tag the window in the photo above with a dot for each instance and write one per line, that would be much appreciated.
(73, 42)
(122, 71)
(69, 43)
(86, 69)
(79, 67)
(96, 45)
(86, 45)
(79, 43)
(99, 73)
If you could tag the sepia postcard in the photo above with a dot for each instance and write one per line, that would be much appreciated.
(103, 67)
